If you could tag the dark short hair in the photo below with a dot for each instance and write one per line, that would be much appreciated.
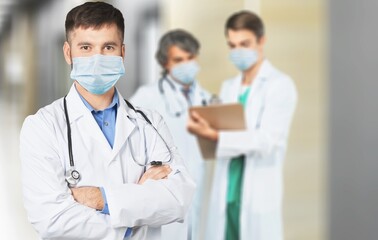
(180, 38)
(96, 15)
(245, 20)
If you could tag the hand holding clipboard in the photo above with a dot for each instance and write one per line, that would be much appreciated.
(218, 117)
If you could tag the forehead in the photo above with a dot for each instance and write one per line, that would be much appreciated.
(104, 33)
(240, 35)
(175, 51)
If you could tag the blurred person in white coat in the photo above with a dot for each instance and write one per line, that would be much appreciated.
(247, 186)
(171, 96)
(93, 166)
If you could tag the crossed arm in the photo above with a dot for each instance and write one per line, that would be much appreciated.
(92, 196)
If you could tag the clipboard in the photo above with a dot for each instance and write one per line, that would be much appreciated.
(221, 117)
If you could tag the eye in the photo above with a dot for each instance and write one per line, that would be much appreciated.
(245, 44)
(109, 48)
(177, 60)
(86, 48)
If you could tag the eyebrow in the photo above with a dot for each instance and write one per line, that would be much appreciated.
(84, 44)
(240, 42)
(110, 43)
(105, 44)
(178, 58)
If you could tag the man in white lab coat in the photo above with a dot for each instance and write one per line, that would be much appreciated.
(93, 166)
(171, 96)
(247, 186)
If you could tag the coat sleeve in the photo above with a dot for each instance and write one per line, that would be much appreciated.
(48, 201)
(280, 102)
(156, 202)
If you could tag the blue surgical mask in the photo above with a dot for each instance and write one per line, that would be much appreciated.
(243, 58)
(97, 73)
(185, 72)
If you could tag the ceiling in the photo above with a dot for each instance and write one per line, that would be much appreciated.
(7, 7)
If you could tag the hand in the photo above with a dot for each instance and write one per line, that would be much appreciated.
(88, 196)
(199, 126)
(156, 173)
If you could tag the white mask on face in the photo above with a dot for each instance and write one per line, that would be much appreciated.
(244, 58)
(185, 72)
(97, 73)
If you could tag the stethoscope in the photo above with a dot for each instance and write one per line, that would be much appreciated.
(73, 176)
(182, 106)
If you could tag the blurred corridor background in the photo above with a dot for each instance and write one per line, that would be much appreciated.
(33, 73)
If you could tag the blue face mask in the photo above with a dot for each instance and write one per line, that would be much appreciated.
(185, 72)
(97, 73)
(243, 58)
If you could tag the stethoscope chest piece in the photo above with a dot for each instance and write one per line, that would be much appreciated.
(72, 177)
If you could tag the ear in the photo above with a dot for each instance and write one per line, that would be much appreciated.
(67, 52)
(167, 68)
(123, 51)
(262, 41)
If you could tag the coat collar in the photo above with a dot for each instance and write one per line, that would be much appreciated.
(262, 75)
(75, 106)
(264, 72)
(197, 94)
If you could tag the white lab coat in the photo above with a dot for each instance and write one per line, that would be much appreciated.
(268, 115)
(48, 200)
(149, 96)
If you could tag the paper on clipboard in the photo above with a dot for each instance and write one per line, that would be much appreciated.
(220, 117)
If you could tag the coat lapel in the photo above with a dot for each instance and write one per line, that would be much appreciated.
(84, 119)
(124, 126)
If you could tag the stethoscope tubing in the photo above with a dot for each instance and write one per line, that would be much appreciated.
(69, 139)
